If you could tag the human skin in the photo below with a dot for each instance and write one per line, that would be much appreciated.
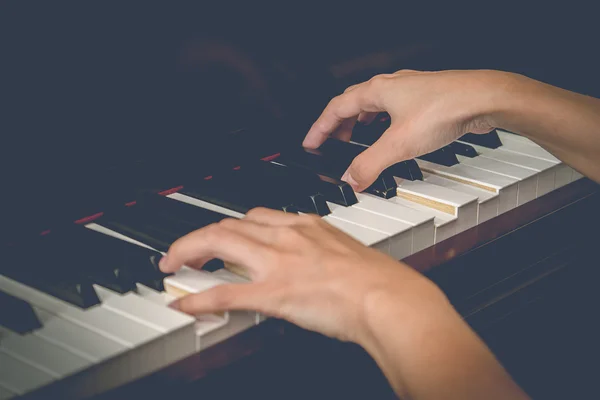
(305, 271)
(431, 109)
(311, 274)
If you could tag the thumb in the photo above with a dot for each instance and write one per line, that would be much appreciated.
(226, 297)
(366, 167)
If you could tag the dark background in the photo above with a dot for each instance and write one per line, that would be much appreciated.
(90, 83)
(85, 86)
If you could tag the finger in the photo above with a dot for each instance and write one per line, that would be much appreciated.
(253, 230)
(344, 106)
(344, 132)
(407, 72)
(277, 218)
(243, 296)
(352, 87)
(215, 241)
(367, 166)
(267, 216)
(366, 118)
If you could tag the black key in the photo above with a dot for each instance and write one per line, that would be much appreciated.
(45, 271)
(332, 159)
(177, 210)
(299, 187)
(115, 263)
(408, 169)
(490, 140)
(76, 248)
(384, 186)
(337, 191)
(17, 315)
(152, 230)
(234, 191)
(443, 156)
(158, 221)
(319, 188)
(464, 149)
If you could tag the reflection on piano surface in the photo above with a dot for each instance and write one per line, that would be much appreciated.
(132, 140)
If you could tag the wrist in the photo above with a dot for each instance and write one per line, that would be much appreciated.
(499, 98)
(512, 98)
(414, 302)
(401, 321)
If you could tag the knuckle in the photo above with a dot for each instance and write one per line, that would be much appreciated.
(312, 219)
(336, 102)
(256, 211)
(379, 81)
(288, 234)
(228, 223)
(213, 232)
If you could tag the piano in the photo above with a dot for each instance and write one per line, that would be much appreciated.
(127, 127)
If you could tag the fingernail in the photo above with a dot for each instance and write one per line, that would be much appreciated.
(162, 263)
(175, 305)
(350, 180)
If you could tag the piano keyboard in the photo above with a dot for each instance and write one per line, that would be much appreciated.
(103, 309)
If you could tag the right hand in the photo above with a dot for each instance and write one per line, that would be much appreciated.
(305, 271)
(428, 110)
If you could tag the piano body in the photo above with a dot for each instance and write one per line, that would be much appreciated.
(126, 126)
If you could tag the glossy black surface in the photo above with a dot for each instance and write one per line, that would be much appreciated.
(443, 156)
(17, 315)
(44, 268)
(240, 190)
(463, 149)
(489, 140)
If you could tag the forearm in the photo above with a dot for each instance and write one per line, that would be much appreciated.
(432, 354)
(565, 123)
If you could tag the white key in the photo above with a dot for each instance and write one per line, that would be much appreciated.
(399, 233)
(103, 321)
(44, 355)
(545, 170)
(77, 339)
(461, 205)
(488, 201)
(229, 276)
(366, 236)
(204, 204)
(519, 144)
(563, 173)
(504, 135)
(210, 328)
(20, 377)
(6, 394)
(445, 224)
(176, 327)
(505, 187)
(512, 143)
(422, 224)
(206, 326)
(528, 180)
(115, 364)
(99, 228)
